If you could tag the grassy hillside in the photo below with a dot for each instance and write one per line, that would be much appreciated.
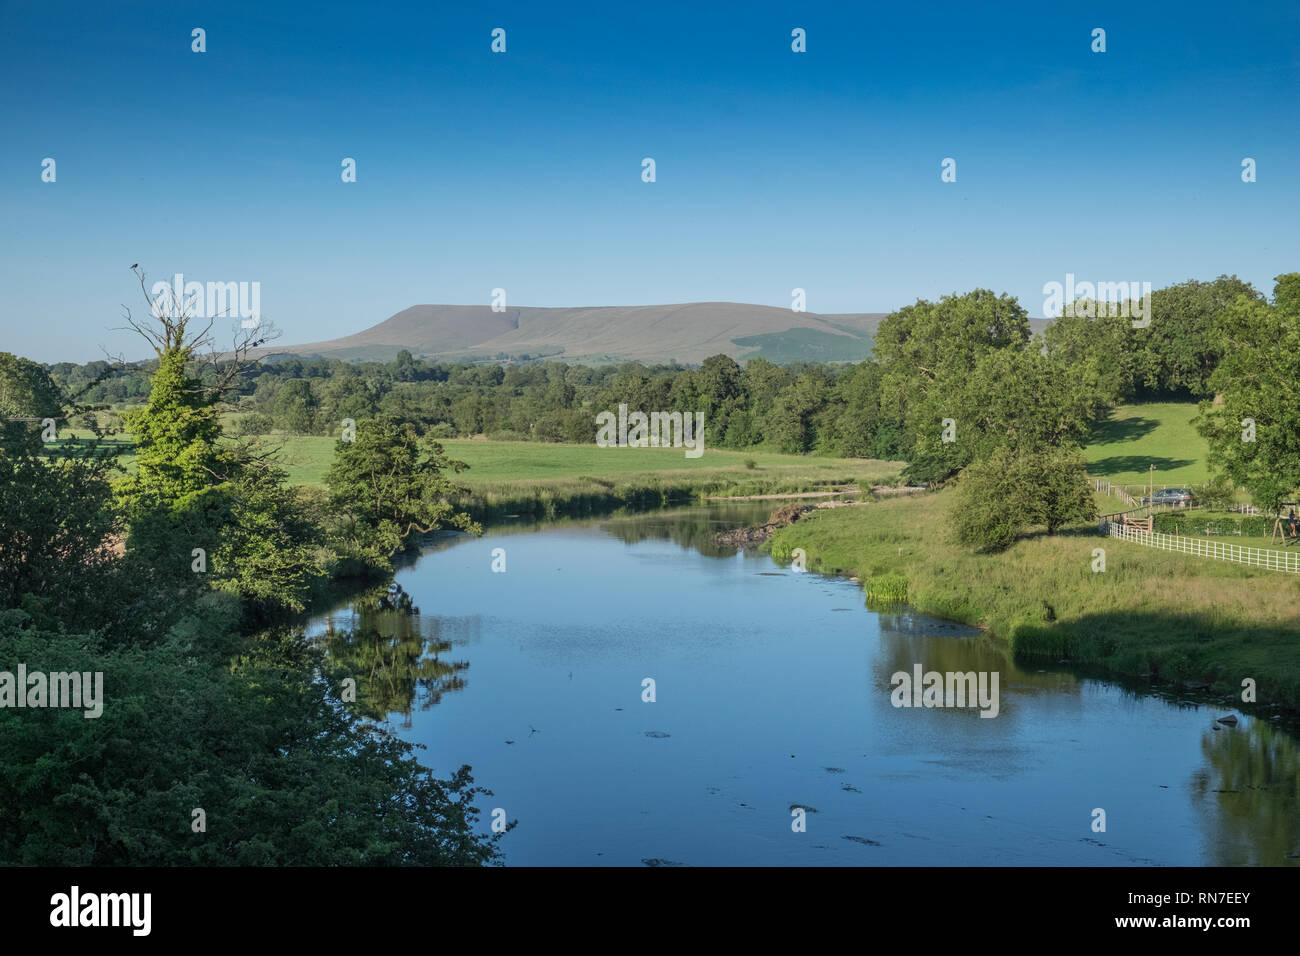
(1149, 614)
(1138, 436)
(804, 345)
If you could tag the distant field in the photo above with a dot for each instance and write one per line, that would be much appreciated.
(1135, 437)
(1138, 436)
(308, 458)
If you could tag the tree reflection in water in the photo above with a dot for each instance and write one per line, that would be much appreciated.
(1247, 795)
(395, 655)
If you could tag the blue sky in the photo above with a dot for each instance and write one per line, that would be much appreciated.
(522, 170)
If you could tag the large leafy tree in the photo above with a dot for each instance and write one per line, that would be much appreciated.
(392, 480)
(1095, 349)
(26, 392)
(1257, 381)
(926, 352)
(1178, 352)
(850, 422)
(1026, 399)
(791, 425)
(55, 525)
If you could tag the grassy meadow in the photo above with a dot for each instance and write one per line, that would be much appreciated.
(307, 459)
(1135, 437)
(1138, 436)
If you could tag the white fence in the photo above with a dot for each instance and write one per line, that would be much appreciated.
(1101, 484)
(1220, 550)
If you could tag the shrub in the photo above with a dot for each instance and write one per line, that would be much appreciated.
(992, 503)
(1010, 491)
(1218, 493)
(1169, 523)
(1256, 526)
(254, 423)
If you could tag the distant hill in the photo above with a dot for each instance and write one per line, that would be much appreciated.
(688, 333)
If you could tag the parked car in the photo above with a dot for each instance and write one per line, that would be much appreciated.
(1171, 497)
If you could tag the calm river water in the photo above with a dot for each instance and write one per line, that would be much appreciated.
(772, 691)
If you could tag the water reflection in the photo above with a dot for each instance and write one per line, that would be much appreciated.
(695, 529)
(1247, 794)
(397, 656)
(775, 688)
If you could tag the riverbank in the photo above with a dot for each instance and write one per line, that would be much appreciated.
(573, 493)
(1149, 615)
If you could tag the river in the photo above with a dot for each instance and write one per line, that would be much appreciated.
(772, 693)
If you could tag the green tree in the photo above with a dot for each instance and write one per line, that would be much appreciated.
(1178, 352)
(993, 504)
(1059, 481)
(392, 480)
(791, 424)
(26, 391)
(851, 417)
(55, 526)
(1253, 425)
(926, 352)
(175, 434)
(1012, 490)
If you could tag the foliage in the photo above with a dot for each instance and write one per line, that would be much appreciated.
(1218, 493)
(176, 435)
(194, 715)
(390, 481)
(993, 504)
(1178, 352)
(285, 775)
(1001, 496)
(26, 391)
(55, 521)
(1258, 380)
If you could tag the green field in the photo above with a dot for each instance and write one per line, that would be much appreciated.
(1138, 436)
(1150, 614)
(1135, 437)
(307, 459)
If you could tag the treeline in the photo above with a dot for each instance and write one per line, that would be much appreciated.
(860, 410)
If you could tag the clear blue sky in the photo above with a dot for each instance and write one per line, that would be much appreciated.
(477, 170)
